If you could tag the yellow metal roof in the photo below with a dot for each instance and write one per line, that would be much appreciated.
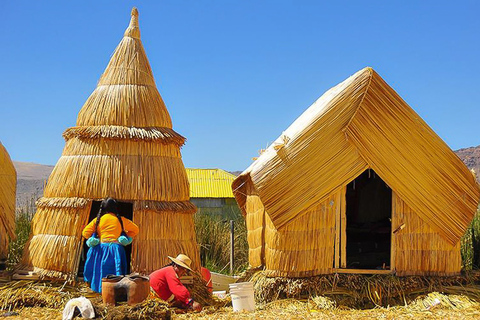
(210, 183)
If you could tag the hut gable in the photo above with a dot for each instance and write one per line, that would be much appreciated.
(8, 184)
(359, 124)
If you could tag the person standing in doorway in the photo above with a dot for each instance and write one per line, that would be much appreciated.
(106, 236)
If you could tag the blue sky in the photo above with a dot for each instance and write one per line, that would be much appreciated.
(235, 74)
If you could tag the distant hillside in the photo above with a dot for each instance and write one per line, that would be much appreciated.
(471, 157)
(31, 176)
(30, 180)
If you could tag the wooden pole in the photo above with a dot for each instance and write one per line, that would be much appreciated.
(232, 245)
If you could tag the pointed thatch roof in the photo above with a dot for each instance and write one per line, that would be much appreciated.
(363, 123)
(8, 185)
(125, 109)
(123, 146)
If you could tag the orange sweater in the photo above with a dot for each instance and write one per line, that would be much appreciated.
(109, 228)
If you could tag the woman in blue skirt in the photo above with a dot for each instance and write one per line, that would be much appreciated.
(106, 236)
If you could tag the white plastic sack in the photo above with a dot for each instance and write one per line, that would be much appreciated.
(83, 304)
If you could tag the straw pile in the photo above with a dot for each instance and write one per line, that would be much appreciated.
(123, 146)
(431, 306)
(361, 290)
(25, 293)
(293, 196)
(8, 185)
(199, 291)
(53, 296)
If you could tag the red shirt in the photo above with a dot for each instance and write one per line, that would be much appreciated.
(166, 283)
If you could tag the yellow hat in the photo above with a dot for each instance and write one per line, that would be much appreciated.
(182, 260)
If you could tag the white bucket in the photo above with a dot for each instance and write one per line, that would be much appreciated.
(242, 296)
(241, 285)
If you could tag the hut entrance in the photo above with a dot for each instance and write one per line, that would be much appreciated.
(368, 223)
(126, 210)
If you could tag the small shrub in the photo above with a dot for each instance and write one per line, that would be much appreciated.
(213, 237)
(470, 245)
(23, 223)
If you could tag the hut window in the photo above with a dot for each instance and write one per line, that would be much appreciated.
(368, 227)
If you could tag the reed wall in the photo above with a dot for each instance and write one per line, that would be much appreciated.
(305, 247)
(255, 221)
(163, 234)
(417, 248)
(8, 186)
(54, 247)
(126, 177)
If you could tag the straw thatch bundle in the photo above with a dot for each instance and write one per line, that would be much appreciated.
(123, 146)
(361, 291)
(294, 196)
(8, 185)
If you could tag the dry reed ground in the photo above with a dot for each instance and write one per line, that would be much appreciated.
(431, 306)
(46, 300)
(450, 307)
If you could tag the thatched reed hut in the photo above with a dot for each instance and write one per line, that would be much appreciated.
(8, 186)
(122, 146)
(359, 183)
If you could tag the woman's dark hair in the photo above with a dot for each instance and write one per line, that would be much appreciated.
(108, 205)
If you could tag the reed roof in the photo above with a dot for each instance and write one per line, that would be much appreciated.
(363, 123)
(8, 185)
(123, 144)
(210, 183)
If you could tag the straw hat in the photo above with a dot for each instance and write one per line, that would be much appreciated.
(182, 260)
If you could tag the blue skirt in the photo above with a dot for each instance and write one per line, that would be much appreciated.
(102, 260)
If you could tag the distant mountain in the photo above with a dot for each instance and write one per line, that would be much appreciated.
(32, 171)
(31, 177)
(471, 157)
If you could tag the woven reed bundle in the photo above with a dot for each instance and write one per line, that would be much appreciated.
(291, 195)
(123, 146)
(8, 185)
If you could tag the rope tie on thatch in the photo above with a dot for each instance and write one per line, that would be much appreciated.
(61, 202)
(164, 135)
(165, 206)
(159, 206)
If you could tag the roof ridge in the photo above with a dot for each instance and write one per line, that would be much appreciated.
(371, 73)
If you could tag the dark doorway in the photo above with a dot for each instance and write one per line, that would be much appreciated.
(126, 210)
(369, 226)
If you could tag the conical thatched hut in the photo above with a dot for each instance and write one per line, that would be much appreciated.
(8, 185)
(123, 146)
(359, 183)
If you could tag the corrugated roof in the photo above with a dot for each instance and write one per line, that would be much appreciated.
(210, 183)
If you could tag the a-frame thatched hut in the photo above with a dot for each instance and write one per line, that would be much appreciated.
(123, 146)
(359, 183)
(8, 186)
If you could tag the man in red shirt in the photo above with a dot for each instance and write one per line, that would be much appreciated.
(166, 283)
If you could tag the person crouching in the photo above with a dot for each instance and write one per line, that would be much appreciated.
(166, 283)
